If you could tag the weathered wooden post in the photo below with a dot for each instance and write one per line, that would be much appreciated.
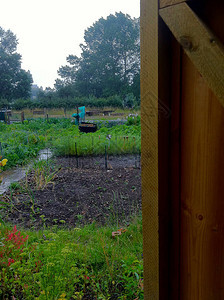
(76, 156)
(182, 70)
(149, 123)
(22, 116)
(7, 117)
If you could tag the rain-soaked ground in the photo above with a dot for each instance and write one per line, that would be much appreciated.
(16, 174)
(79, 192)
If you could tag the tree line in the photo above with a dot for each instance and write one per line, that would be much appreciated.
(107, 73)
(14, 81)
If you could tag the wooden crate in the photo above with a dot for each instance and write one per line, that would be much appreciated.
(182, 71)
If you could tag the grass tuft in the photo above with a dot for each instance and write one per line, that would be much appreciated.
(72, 264)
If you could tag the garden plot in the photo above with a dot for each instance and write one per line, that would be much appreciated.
(62, 192)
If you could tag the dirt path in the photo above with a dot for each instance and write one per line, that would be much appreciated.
(78, 195)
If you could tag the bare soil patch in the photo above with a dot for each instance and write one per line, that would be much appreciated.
(78, 194)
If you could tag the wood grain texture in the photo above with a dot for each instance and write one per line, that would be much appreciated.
(202, 189)
(164, 114)
(165, 3)
(149, 155)
(175, 154)
(196, 239)
(202, 47)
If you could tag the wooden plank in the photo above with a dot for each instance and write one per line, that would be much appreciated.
(175, 154)
(202, 47)
(202, 212)
(149, 156)
(165, 3)
(164, 112)
(202, 189)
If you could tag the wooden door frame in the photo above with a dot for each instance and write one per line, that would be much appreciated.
(163, 23)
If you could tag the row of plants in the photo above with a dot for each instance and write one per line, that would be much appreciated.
(71, 264)
(21, 142)
(96, 145)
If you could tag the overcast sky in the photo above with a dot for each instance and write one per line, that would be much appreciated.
(50, 30)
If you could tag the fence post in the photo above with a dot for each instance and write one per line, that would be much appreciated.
(76, 155)
(149, 138)
(105, 157)
(8, 118)
(22, 116)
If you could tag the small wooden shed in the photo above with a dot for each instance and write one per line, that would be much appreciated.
(182, 98)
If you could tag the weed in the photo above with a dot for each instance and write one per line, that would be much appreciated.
(72, 264)
(43, 174)
(16, 186)
(79, 217)
(22, 142)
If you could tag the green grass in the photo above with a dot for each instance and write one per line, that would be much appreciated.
(22, 142)
(70, 264)
(123, 140)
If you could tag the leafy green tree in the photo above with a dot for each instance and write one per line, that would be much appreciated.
(66, 91)
(135, 87)
(14, 81)
(46, 98)
(129, 101)
(35, 90)
(110, 59)
(22, 88)
(22, 103)
(4, 103)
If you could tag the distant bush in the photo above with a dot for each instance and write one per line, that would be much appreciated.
(4, 103)
(129, 101)
(115, 101)
(22, 103)
(133, 120)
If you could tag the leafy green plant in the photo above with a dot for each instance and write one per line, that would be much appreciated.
(133, 121)
(11, 254)
(43, 174)
(71, 264)
(17, 186)
(22, 142)
(3, 162)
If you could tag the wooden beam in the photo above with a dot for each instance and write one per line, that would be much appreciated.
(175, 167)
(201, 175)
(164, 112)
(165, 3)
(202, 47)
(149, 153)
